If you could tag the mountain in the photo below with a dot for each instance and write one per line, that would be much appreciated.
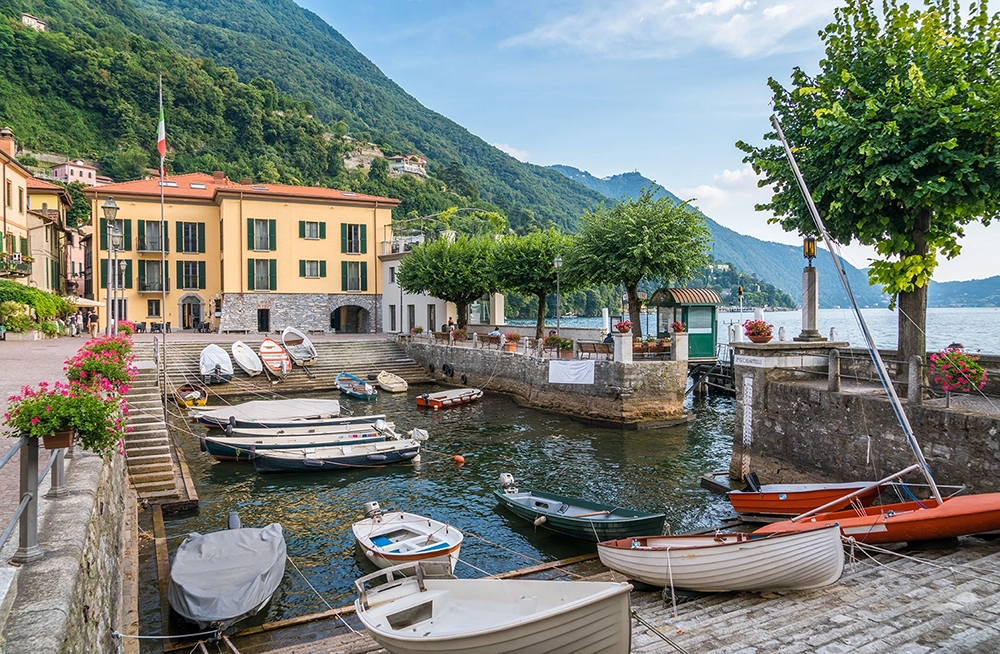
(775, 263)
(971, 293)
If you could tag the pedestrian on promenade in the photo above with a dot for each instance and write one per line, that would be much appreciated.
(73, 325)
(92, 323)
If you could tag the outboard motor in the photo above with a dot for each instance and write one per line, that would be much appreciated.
(234, 521)
(372, 510)
(753, 484)
(507, 483)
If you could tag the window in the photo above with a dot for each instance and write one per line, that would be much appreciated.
(20, 199)
(431, 317)
(9, 194)
(411, 316)
(261, 241)
(150, 276)
(392, 317)
(353, 239)
(190, 276)
(354, 275)
(89, 174)
(262, 277)
(150, 236)
(392, 275)
(311, 269)
(261, 234)
(153, 308)
(189, 237)
(310, 229)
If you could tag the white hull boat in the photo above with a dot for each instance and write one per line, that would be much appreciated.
(247, 359)
(274, 358)
(391, 382)
(428, 611)
(398, 537)
(298, 346)
(215, 365)
(337, 457)
(716, 563)
(305, 429)
(263, 413)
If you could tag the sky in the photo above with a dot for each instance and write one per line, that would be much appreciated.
(662, 87)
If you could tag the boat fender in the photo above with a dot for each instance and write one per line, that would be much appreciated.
(539, 520)
(431, 367)
(201, 444)
(229, 431)
(465, 378)
(448, 370)
(753, 483)
(234, 520)
(232, 420)
(376, 457)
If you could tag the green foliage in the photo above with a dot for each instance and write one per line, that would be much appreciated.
(78, 214)
(459, 271)
(49, 328)
(524, 264)
(19, 323)
(46, 305)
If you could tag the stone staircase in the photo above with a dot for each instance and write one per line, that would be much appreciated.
(364, 358)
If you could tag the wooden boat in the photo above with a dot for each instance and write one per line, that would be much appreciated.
(337, 457)
(298, 346)
(307, 428)
(274, 358)
(218, 579)
(575, 517)
(191, 394)
(391, 382)
(247, 359)
(240, 446)
(355, 386)
(215, 365)
(768, 501)
(718, 563)
(270, 413)
(398, 537)
(423, 609)
(451, 397)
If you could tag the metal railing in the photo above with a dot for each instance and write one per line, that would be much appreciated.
(26, 516)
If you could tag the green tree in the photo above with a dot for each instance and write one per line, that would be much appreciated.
(459, 270)
(79, 213)
(639, 239)
(524, 264)
(896, 138)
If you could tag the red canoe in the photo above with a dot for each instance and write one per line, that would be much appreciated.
(795, 499)
(962, 515)
(448, 398)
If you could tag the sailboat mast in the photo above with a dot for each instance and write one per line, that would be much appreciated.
(883, 373)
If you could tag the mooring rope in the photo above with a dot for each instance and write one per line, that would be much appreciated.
(507, 549)
(659, 633)
(973, 572)
(323, 599)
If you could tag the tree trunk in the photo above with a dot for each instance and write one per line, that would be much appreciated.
(463, 314)
(912, 311)
(540, 323)
(633, 309)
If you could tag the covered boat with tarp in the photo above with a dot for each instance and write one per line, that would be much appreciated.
(270, 413)
(215, 365)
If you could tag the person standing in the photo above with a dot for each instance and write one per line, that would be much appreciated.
(73, 325)
(92, 323)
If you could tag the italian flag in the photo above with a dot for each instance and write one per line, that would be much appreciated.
(161, 134)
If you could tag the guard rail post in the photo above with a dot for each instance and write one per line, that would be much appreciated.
(833, 371)
(913, 395)
(58, 486)
(28, 549)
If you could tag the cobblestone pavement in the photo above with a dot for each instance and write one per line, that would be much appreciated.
(27, 363)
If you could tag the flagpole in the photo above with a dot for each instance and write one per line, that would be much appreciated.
(161, 146)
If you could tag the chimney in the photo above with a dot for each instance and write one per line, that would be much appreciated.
(246, 181)
(219, 177)
(7, 141)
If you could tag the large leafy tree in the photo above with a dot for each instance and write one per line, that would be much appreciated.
(459, 270)
(525, 265)
(639, 239)
(898, 138)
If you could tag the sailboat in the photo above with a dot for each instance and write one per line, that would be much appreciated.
(904, 521)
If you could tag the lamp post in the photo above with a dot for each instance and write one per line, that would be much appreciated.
(558, 264)
(810, 294)
(116, 245)
(110, 209)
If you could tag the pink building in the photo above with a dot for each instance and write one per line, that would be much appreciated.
(76, 171)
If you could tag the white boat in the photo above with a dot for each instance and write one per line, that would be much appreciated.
(269, 413)
(218, 579)
(247, 359)
(306, 428)
(392, 382)
(298, 346)
(398, 537)
(275, 358)
(215, 365)
(236, 446)
(337, 457)
(428, 611)
(716, 563)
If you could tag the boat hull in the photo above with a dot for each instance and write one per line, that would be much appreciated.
(796, 499)
(244, 449)
(191, 395)
(392, 383)
(367, 455)
(300, 349)
(274, 358)
(494, 616)
(612, 523)
(716, 563)
(400, 537)
(215, 365)
(962, 515)
(355, 387)
(247, 359)
(445, 399)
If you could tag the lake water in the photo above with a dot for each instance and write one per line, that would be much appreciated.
(978, 329)
(654, 470)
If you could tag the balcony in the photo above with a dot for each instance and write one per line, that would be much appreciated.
(152, 244)
(153, 285)
(12, 265)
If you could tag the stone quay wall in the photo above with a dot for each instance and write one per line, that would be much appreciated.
(638, 395)
(786, 411)
(304, 311)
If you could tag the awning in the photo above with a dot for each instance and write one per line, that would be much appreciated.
(672, 297)
(84, 302)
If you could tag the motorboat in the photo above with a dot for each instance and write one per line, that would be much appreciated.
(449, 398)
(356, 387)
(766, 502)
(298, 346)
(337, 457)
(270, 413)
(398, 537)
(276, 361)
(215, 365)
(391, 382)
(247, 359)
(240, 446)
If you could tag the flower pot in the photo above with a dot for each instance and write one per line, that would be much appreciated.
(58, 440)
(510, 346)
(565, 354)
(759, 339)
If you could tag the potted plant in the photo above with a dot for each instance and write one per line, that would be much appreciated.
(510, 340)
(57, 413)
(624, 326)
(104, 370)
(458, 334)
(956, 371)
(677, 326)
(417, 330)
(126, 327)
(757, 331)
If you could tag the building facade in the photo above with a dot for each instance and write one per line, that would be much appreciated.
(77, 171)
(14, 250)
(48, 250)
(241, 257)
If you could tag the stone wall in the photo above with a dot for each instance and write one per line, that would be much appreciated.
(638, 395)
(305, 311)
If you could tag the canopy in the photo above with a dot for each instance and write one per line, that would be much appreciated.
(84, 302)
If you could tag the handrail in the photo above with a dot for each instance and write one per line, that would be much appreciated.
(26, 515)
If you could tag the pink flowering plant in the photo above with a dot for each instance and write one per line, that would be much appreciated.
(99, 424)
(956, 370)
(624, 326)
(126, 327)
(677, 326)
(512, 337)
(104, 364)
(757, 328)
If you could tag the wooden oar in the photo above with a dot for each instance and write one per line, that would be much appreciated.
(589, 515)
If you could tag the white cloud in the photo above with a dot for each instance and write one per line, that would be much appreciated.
(520, 155)
(641, 29)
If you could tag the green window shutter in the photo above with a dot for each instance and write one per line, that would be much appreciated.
(272, 234)
(273, 274)
(201, 238)
(343, 275)
(250, 272)
(140, 228)
(364, 275)
(302, 229)
(302, 267)
(142, 273)
(364, 239)
(180, 274)
(24, 247)
(201, 274)
(104, 273)
(179, 246)
(104, 234)
(127, 231)
(322, 230)
(322, 268)
(250, 236)
(343, 238)
(128, 273)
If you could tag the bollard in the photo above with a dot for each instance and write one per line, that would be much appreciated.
(913, 395)
(28, 549)
(833, 372)
(58, 485)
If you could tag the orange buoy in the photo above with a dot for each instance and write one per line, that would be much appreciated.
(459, 459)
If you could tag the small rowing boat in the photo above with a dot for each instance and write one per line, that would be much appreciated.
(274, 357)
(770, 501)
(243, 445)
(298, 346)
(337, 457)
(191, 394)
(449, 398)
(247, 359)
(292, 412)
(391, 382)
(398, 537)
(354, 386)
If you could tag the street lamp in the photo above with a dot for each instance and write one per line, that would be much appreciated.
(116, 245)
(110, 209)
(809, 249)
(558, 264)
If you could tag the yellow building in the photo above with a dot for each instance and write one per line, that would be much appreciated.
(47, 248)
(14, 204)
(243, 257)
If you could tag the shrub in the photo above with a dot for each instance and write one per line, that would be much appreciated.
(46, 305)
(512, 337)
(458, 334)
(418, 330)
(49, 328)
(19, 323)
(956, 371)
(126, 327)
(757, 328)
(555, 341)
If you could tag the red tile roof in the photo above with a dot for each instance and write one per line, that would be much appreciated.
(42, 185)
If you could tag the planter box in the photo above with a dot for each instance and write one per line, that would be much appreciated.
(32, 335)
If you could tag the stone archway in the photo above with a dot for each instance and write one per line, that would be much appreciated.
(350, 319)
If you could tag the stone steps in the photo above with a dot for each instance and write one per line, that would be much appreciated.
(148, 453)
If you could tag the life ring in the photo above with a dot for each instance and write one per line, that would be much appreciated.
(448, 370)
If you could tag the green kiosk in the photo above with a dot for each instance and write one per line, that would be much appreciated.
(696, 308)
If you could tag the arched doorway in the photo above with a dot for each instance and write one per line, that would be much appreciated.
(350, 319)
(192, 311)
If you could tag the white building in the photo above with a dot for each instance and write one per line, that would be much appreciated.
(34, 23)
(410, 164)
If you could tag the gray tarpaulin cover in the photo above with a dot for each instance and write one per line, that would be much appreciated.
(221, 576)
(213, 356)
(275, 410)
